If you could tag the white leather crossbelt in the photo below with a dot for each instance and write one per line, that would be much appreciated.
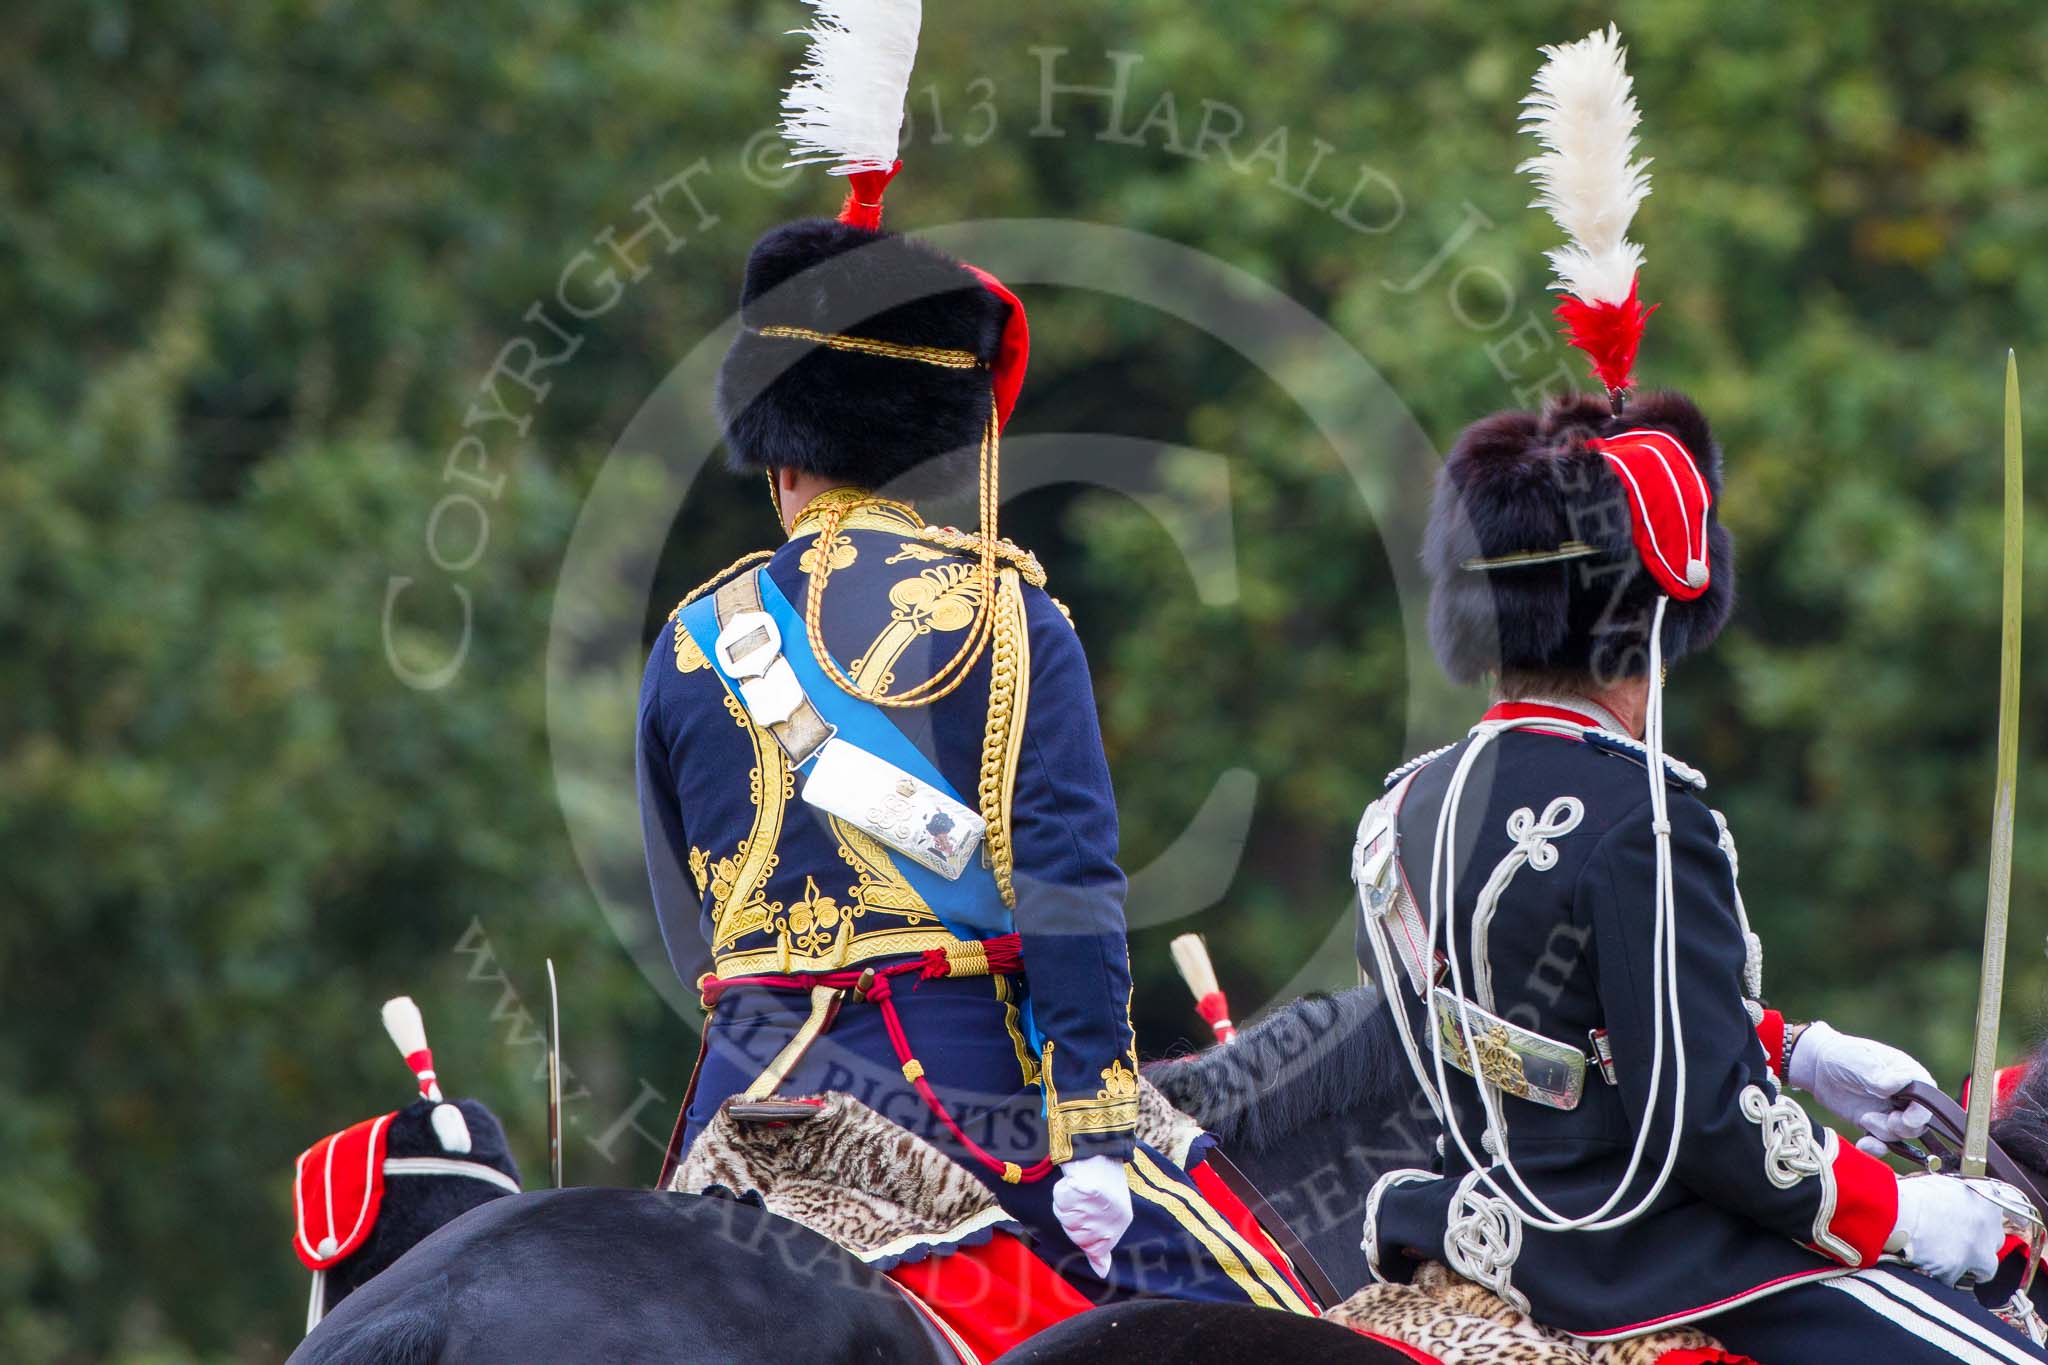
(864, 789)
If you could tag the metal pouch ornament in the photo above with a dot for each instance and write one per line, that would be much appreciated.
(1512, 1059)
(880, 799)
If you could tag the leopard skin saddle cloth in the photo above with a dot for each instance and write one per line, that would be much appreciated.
(1461, 1323)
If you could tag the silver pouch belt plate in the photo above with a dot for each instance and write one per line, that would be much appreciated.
(865, 790)
(880, 799)
(1515, 1060)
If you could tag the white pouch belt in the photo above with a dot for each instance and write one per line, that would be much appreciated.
(864, 789)
(1383, 890)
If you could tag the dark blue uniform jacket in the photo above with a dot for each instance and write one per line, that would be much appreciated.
(1758, 1199)
(775, 886)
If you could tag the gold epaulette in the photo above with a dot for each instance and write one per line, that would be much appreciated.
(716, 580)
(689, 658)
(968, 543)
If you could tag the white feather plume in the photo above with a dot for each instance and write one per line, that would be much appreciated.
(1583, 112)
(846, 105)
(402, 1021)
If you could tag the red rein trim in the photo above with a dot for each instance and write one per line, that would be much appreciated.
(1005, 958)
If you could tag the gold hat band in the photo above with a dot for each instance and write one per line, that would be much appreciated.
(930, 355)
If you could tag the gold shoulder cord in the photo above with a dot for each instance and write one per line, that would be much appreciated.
(1008, 688)
(998, 614)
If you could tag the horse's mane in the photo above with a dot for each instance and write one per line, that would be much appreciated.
(2022, 1127)
(1312, 1059)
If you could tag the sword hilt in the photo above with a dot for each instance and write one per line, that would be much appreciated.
(1940, 1147)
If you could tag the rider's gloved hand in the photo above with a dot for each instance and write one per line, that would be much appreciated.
(1856, 1078)
(1093, 1203)
(1946, 1229)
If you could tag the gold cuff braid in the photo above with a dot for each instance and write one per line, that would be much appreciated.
(1114, 1108)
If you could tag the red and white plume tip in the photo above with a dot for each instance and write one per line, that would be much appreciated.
(1584, 113)
(1191, 955)
(409, 1032)
(846, 105)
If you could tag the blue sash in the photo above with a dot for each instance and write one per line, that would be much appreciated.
(970, 908)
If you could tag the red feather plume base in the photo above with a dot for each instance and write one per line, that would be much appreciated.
(1608, 333)
(864, 189)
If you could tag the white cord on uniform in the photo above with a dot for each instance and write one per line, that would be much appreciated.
(1375, 934)
(1664, 953)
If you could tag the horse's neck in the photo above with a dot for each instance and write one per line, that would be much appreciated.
(1318, 1179)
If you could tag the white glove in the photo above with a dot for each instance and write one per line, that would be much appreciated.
(1947, 1229)
(1856, 1079)
(1093, 1203)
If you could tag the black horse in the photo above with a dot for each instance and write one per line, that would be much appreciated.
(1313, 1103)
(649, 1276)
(629, 1275)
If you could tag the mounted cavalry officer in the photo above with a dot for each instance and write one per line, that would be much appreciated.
(1551, 907)
(872, 755)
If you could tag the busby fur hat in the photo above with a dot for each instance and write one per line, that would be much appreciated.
(845, 410)
(1532, 555)
(417, 1205)
(1558, 537)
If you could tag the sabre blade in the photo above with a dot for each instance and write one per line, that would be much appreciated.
(1998, 898)
(554, 1079)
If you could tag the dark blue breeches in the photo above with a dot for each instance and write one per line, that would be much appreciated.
(1883, 1316)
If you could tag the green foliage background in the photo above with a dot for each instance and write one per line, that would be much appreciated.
(256, 260)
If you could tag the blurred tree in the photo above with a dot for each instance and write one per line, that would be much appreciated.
(260, 261)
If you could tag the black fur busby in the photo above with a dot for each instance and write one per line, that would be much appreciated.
(1526, 484)
(415, 1205)
(874, 420)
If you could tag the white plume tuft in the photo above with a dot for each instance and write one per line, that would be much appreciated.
(450, 1129)
(1191, 955)
(1583, 112)
(402, 1021)
(846, 106)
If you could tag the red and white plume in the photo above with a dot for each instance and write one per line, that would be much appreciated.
(409, 1033)
(846, 104)
(1584, 113)
(1191, 955)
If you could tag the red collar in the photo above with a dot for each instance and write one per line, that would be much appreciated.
(1579, 712)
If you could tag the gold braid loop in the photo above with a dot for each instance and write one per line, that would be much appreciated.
(995, 740)
(944, 681)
